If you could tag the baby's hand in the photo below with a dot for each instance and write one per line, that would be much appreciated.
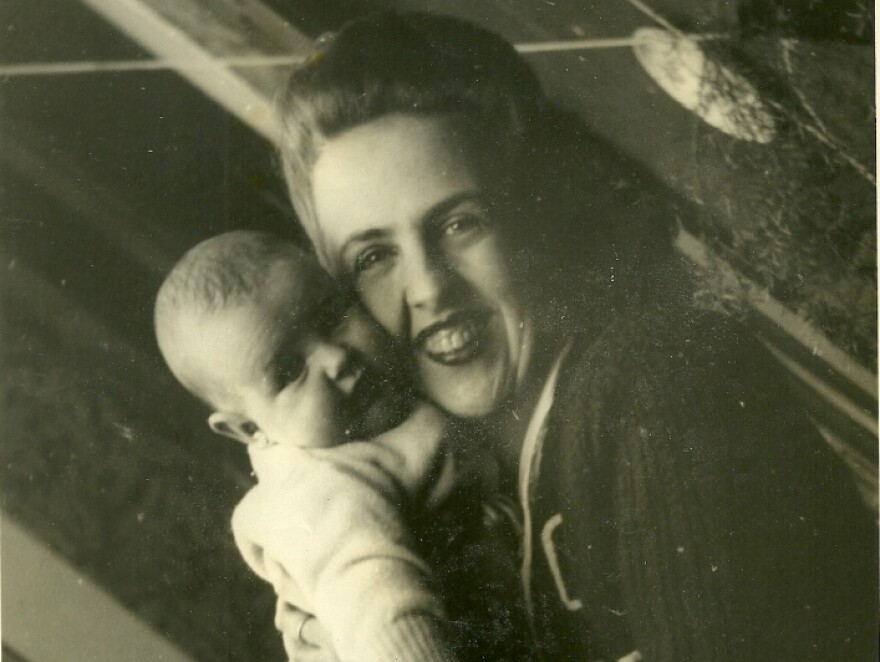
(416, 453)
(304, 638)
(410, 453)
(286, 587)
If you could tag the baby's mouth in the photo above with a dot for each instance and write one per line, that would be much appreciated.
(455, 339)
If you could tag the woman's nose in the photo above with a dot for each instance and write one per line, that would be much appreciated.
(336, 363)
(424, 279)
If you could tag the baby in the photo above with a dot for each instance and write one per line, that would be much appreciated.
(253, 327)
(293, 368)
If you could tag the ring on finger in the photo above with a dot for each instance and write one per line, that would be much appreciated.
(299, 630)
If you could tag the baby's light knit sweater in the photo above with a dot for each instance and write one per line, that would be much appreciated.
(324, 527)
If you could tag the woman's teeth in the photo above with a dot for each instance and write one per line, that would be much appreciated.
(453, 341)
(450, 340)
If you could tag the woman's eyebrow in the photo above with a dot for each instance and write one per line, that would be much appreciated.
(441, 208)
(366, 235)
(433, 212)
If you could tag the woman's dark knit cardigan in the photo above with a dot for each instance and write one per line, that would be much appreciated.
(702, 516)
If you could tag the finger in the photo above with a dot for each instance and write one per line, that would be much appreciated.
(300, 627)
(296, 650)
(289, 619)
(285, 613)
(313, 655)
(280, 611)
(315, 634)
(300, 651)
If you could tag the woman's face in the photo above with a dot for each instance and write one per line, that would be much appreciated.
(410, 212)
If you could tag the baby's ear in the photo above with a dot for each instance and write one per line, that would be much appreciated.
(234, 426)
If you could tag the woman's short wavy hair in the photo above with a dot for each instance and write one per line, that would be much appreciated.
(401, 63)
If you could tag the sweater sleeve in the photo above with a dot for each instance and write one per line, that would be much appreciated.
(731, 530)
(333, 531)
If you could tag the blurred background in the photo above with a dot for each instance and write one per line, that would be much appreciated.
(132, 129)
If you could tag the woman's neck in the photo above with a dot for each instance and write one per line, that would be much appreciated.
(507, 425)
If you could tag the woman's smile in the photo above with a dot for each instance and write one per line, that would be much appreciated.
(455, 340)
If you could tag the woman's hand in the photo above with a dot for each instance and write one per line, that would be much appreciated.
(304, 638)
(333, 526)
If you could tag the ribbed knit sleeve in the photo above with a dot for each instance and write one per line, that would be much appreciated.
(705, 517)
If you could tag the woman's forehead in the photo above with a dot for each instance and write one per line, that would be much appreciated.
(394, 168)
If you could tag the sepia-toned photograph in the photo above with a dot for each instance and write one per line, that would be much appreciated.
(438, 331)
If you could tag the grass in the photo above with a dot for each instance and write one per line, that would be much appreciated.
(105, 460)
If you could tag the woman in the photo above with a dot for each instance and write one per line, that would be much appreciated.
(675, 505)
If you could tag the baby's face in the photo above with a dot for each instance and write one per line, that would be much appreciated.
(307, 366)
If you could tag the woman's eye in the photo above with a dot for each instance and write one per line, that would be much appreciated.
(370, 258)
(460, 224)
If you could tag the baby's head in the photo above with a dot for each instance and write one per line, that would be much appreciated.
(250, 324)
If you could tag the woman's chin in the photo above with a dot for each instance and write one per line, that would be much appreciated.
(470, 390)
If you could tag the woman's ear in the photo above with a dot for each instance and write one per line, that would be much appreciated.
(234, 426)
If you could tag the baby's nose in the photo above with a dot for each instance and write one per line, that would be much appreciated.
(337, 363)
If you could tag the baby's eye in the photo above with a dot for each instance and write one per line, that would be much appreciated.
(370, 258)
(331, 314)
(289, 370)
